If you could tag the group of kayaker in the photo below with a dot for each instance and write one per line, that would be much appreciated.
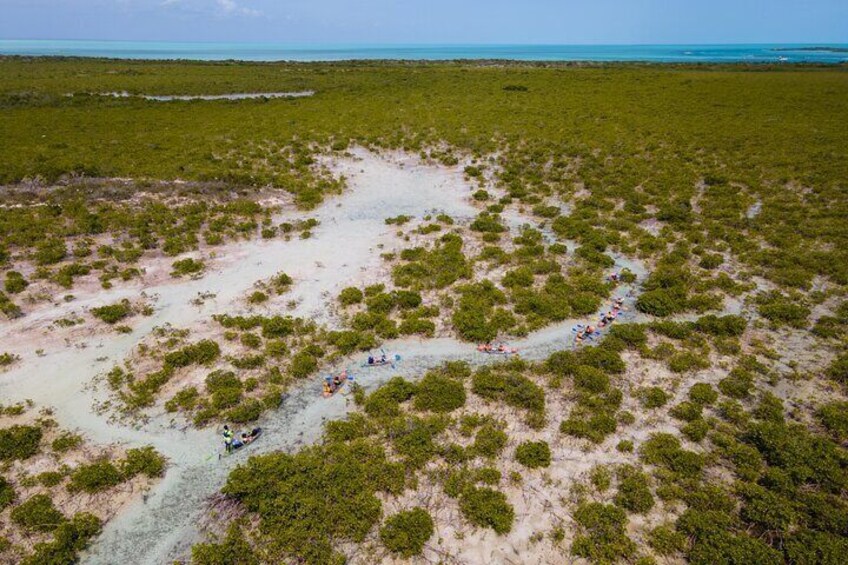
(586, 332)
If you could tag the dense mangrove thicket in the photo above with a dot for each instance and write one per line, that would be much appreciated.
(731, 159)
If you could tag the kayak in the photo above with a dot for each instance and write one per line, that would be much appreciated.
(508, 351)
(377, 363)
(344, 378)
(254, 433)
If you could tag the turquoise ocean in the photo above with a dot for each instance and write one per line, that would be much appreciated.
(762, 53)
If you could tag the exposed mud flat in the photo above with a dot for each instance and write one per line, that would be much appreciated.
(236, 96)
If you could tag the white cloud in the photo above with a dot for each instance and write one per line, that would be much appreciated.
(231, 7)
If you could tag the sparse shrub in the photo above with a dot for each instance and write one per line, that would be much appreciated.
(625, 446)
(487, 508)
(782, 310)
(738, 383)
(187, 266)
(632, 335)
(95, 477)
(603, 537)
(350, 295)
(37, 514)
(385, 400)
(696, 430)
(489, 441)
(310, 479)
(703, 394)
(722, 326)
(653, 397)
(406, 532)
(533, 454)
(113, 313)
(600, 477)
(19, 442)
(247, 411)
(143, 460)
(591, 379)
(233, 549)
(664, 450)
(838, 369)
(257, 297)
(633, 492)
(438, 393)
(15, 282)
(50, 251)
(200, 353)
(66, 442)
(7, 494)
(686, 411)
(686, 361)
(834, 417)
(666, 541)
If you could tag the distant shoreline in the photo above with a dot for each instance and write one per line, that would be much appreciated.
(576, 54)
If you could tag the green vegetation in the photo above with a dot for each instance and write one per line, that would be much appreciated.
(406, 532)
(187, 266)
(658, 163)
(19, 442)
(37, 514)
(104, 474)
(487, 508)
(113, 313)
(603, 537)
(336, 482)
(533, 454)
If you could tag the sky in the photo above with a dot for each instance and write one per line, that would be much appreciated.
(431, 21)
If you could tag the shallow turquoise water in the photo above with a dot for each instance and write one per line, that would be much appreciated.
(764, 53)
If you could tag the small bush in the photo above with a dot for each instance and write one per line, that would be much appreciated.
(664, 450)
(533, 454)
(406, 532)
(489, 441)
(653, 397)
(187, 266)
(737, 384)
(7, 494)
(437, 393)
(686, 411)
(19, 442)
(666, 541)
(15, 282)
(838, 369)
(143, 460)
(703, 394)
(37, 514)
(350, 295)
(200, 353)
(487, 508)
(696, 430)
(95, 477)
(633, 492)
(834, 417)
(603, 536)
(65, 442)
(247, 411)
(591, 379)
(113, 313)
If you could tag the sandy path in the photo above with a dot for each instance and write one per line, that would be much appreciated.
(345, 246)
